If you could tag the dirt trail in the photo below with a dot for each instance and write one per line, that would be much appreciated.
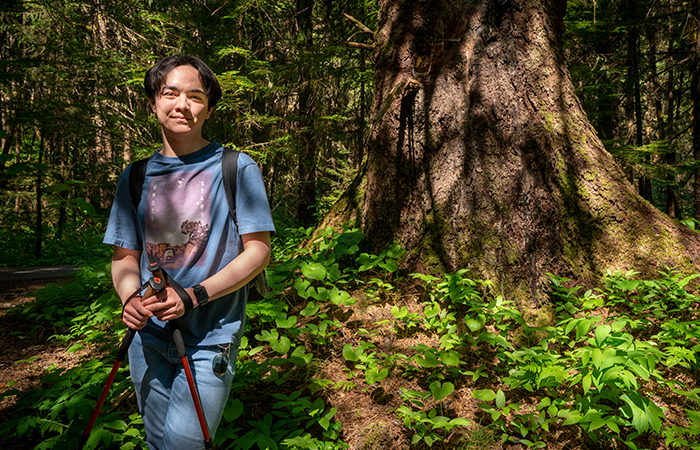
(25, 350)
(11, 276)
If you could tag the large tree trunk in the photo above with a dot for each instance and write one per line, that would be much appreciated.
(481, 157)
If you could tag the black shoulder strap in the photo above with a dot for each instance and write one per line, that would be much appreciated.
(229, 172)
(137, 176)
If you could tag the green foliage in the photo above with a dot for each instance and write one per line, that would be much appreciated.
(595, 367)
(54, 415)
(89, 297)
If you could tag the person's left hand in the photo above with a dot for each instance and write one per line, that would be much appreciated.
(169, 308)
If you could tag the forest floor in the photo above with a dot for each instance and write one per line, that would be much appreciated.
(366, 412)
(26, 349)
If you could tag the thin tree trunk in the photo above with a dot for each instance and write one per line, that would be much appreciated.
(39, 227)
(672, 205)
(362, 118)
(695, 95)
(306, 204)
(634, 91)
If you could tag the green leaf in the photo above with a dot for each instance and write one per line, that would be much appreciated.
(610, 422)
(367, 262)
(40, 167)
(431, 311)
(441, 391)
(544, 402)
(302, 287)
(300, 357)
(449, 358)
(500, 399)
(586, 383)
(74, 348)
(485, 395)
(601, 333)
(395, 252)
(597, 357)
(349, 353)
(267, 335)
(85, 207)
(286, 322)
(16, 169)
(282, 346)
(314, 271)
(475, 323)
(583, 327)
(310, 310)
(627, 285)
(321, 294)
(233, 410)
(628, 379)
(639, 370)
(399, 313)
(572, 416)
(337, 297)
(618, 325)
(596, 423)
(390, 265)
(428, 361)
(375, 375)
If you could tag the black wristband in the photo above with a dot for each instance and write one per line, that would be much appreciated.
(201, 294)
(181, 292)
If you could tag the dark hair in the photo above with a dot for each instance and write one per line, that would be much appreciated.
(155, 77)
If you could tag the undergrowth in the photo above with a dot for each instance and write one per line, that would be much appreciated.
(614, 367)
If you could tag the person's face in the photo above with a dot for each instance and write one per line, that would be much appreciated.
(181, 104)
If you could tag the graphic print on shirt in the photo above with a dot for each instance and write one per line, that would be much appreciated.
(178, 218)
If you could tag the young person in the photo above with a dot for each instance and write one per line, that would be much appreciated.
(183, 221)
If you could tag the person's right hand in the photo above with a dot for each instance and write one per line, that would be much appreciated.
(135, 315)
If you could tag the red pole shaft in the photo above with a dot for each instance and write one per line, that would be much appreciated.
(195, 398)
(100, 402)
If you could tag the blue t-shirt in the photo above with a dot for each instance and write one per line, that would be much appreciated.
(183, 221)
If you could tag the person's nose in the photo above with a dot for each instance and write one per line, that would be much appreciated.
(183, 103)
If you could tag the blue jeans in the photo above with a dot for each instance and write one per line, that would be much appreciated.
(163, 394)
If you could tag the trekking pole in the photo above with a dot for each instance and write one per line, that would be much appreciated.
(155, 284)
(182, 353)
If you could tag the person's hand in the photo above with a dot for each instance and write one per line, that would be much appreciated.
(167, 305)
(135, 315)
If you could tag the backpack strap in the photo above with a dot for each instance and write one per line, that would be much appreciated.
(137, 176)
(229, 173)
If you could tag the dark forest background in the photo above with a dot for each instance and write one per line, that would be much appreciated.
(297, 80)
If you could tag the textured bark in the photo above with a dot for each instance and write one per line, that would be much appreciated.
(480, 155)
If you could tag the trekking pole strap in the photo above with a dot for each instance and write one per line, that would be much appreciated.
(181, 292)
(155, 283)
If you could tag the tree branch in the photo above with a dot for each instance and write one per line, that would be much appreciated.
(359, 45)
(359, 24)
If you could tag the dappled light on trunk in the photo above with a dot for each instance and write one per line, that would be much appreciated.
(481, 157)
